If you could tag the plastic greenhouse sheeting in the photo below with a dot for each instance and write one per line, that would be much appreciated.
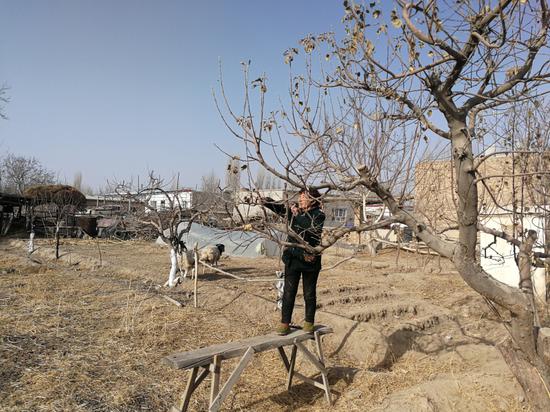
(237, 243)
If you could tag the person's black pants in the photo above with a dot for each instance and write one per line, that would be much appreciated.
(309, 283)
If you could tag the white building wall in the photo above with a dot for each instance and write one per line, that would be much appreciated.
(498, 255)
(161, 201)
(251, 210)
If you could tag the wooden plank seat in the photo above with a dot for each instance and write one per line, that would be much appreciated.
(210, 358)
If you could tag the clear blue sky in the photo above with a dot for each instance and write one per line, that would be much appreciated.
(114, 88)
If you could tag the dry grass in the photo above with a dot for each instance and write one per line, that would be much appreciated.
(89, 340)
(81, 338)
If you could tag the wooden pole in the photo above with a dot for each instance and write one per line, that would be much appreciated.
(196, 276)
(398, 250)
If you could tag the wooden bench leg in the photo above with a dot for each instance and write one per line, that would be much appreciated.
(320, 367)
(324, 386)
(283, 356)
(319, 347)
(192, 383)
(201, 377)
(232, 380)
(287, 364)
(215, 368)
(184, 403)
(291, 368)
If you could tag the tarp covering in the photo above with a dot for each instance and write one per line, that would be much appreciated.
(237, 243)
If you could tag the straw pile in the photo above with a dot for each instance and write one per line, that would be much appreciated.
(56, 194)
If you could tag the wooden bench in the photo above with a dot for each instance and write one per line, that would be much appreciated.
(210, 360)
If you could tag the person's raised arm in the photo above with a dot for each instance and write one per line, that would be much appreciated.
(276, 207)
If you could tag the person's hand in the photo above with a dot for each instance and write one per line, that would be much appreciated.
(294, 209)
(309, 258)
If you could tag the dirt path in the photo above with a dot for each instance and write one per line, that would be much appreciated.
(76, 336)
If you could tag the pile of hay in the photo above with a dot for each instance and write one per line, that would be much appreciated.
(60, 195)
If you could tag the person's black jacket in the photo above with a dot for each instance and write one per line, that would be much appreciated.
(309, 226)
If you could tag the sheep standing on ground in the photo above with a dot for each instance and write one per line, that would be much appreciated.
(187, 262)
(211, 254)
(208, 254)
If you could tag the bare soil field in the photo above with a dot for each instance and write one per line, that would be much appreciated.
(88, 332)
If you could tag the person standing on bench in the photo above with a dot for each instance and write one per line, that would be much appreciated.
(306, 220)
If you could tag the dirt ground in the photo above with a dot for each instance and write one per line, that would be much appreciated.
(88, 332)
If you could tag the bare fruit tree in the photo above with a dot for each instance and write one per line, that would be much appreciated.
(166, 212)
(419, 80)
(58, 203)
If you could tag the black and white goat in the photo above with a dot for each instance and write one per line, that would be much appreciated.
(208, 254)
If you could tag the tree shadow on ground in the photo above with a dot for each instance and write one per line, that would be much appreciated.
(212, 276)
(21, 353)
(402, 341)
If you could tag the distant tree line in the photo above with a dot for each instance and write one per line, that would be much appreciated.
(18, 173)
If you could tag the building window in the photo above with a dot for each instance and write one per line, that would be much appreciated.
(162, 204)
(153, 204)
(339, 214)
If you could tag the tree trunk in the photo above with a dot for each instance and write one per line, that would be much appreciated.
(547, 250)
(535, 388)
(57, 240)
(526, 364)
(172, 279)
(524, 261)
(466, 188)
(31, 242)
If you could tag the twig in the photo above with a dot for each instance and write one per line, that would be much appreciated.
(338, 263)
(174, 301)
(409, 249)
